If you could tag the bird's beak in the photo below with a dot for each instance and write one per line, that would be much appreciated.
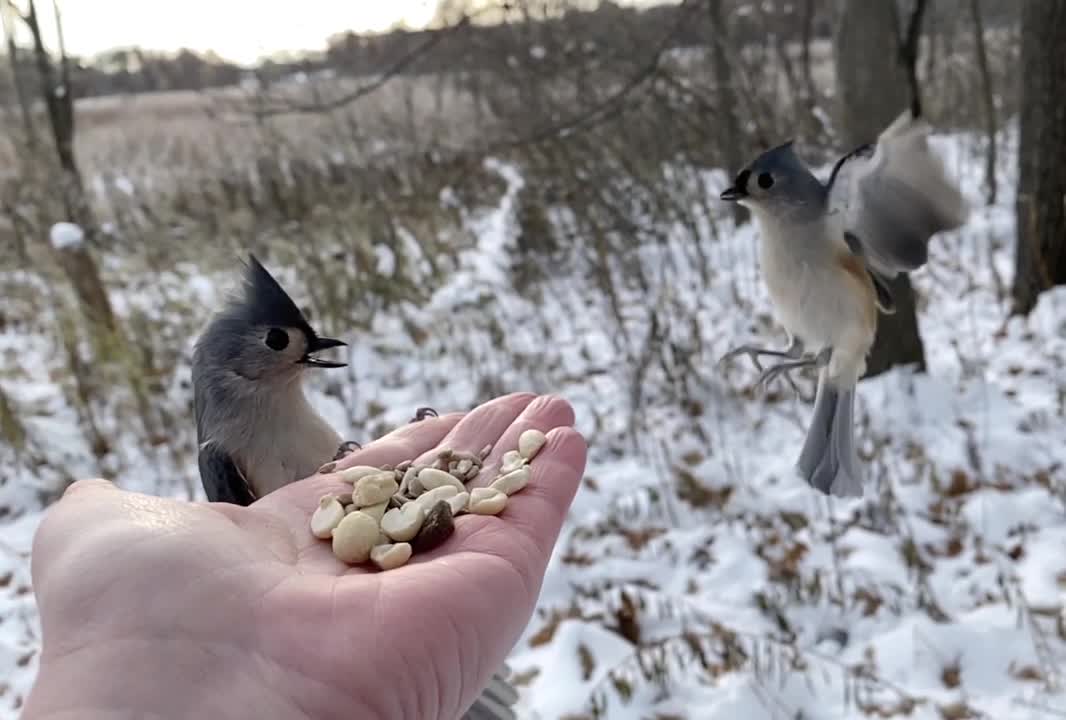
(318, 344)
(732, 194)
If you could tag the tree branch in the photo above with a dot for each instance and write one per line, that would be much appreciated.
(592, 114)
(908, 53)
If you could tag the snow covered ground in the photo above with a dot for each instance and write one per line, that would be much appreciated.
(696, 578)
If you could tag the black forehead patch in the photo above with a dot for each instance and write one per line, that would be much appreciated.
(266, 302)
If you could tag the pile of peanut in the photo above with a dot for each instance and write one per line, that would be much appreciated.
(394, 512)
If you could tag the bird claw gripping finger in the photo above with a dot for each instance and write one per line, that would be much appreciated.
(346, 448)
(422, 413)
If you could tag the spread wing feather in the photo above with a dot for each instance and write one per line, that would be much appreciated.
(893, 196)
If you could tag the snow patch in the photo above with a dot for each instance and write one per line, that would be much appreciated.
(65, 235)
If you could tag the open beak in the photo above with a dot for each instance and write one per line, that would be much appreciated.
(733, 194)
(317, 345)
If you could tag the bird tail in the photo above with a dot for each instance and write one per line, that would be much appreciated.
(829, 461)
(495, 701)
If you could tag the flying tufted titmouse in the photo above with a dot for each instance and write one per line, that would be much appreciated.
(256, 430)
(827, 253)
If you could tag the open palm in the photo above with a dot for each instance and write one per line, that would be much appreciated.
(221, 611)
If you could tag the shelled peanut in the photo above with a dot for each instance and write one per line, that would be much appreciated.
(394, 512)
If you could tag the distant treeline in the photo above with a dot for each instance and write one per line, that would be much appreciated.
(610, 33)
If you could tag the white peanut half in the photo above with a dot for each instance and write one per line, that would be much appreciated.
(408, 483)
(356, 472)
(374, 489)
(432, 478)
(511, 461)
(375, 511)
(390, 557)
(402, 524)
(530, 442)
(512, 482)
(326, 516)
(428, 499)
(459, 502)
(354, 537)
(487, 501)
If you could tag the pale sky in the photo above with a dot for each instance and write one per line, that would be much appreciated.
(238, 30)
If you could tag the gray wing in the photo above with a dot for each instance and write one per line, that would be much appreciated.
(892, 197)
(223, 481)
(496, 701)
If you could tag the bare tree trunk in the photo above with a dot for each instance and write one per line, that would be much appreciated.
(1040, 253)
(870, 53)
(12, 431)
(867, 49)
(908, 52)
(75, 259)
(726, 93)
(21, 95)
(805, 50)
(989, 100)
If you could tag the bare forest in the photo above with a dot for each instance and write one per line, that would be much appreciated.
(525, 196)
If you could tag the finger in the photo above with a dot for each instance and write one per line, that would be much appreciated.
(486, 578)
(68, 509)
(482, 426)
(90, 485)
(539, 510)
(545, 413)
(526, 531)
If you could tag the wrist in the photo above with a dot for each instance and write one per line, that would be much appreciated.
(152, 678)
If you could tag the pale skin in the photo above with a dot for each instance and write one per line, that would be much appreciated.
(160, 608)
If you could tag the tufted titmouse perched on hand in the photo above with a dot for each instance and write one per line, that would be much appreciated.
(255, 429)
(827, 253)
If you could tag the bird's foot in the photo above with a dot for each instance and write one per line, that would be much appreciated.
(346, 448)
(786, 368)
(422, 413)
(775, 371)
(793, 352)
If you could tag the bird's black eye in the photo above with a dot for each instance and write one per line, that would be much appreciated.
(765, 180)
(277, 339)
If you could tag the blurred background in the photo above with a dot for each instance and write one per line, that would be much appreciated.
(484, 196)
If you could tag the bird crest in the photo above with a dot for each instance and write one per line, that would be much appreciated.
(265, 302)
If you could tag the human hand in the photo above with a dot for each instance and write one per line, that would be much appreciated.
(153, 607)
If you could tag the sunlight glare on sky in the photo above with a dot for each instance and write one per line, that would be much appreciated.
(238, 30)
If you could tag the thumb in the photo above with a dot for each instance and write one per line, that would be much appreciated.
(65, 519)
(90, 485)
